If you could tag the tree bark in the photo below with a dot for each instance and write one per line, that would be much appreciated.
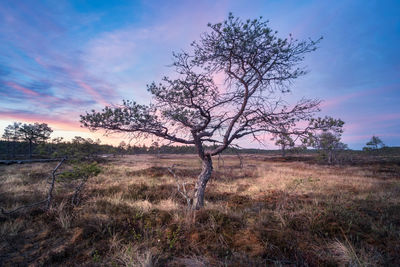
(207, 168)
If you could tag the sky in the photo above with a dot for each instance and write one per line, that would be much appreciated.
(59, 59)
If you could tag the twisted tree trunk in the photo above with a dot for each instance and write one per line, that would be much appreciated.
(205, 175)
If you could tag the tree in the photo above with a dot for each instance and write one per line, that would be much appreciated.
(374, 144)
(327, 140)
(155, 149)
(84, 149)
(122, 145)
(192, 109)
(122, 148)
(284, 140)
(13, 135)
(7, 136)
(329, 143)
(35, 133)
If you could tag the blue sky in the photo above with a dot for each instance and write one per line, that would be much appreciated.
(61, 58)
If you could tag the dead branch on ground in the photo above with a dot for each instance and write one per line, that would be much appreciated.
(49, 195)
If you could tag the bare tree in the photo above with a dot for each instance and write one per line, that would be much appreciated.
(192, 109)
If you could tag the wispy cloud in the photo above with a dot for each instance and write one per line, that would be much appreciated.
(55, 120)
(22, 89)
(342, 99)
(365, 138)
(59, 60)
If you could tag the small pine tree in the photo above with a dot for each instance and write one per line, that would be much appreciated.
(374, 144)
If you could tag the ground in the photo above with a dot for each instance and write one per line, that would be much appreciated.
(269, 211)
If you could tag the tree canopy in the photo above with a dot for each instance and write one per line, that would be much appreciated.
(31, 133)
(374, 144)
(35, 132)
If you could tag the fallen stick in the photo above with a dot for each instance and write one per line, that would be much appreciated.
(22, 161)
(49, 195)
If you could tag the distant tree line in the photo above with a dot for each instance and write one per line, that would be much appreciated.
(21, 141)
(33, 140)
(58, 147)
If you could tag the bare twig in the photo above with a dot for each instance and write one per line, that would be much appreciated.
(181, 187)
(53, 174)
(239, 156)
(75, 198)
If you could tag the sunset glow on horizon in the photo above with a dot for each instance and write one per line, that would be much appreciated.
(59, 59)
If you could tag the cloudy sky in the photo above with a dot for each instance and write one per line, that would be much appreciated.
(59, 59)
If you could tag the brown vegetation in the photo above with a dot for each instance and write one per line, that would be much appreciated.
(268, 212)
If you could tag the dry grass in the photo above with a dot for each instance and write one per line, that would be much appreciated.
(266, 213)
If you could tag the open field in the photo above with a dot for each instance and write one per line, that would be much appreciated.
(269, 212)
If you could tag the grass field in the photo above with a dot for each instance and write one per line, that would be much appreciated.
(268, 212)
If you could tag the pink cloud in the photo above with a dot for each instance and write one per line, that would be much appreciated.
(60, 123)
(44, 100)
(333, 102)
(378, 120)
(76, 74)
(360, 138)
(93, 93)
(387, 117)
(336, 101)
(22, 89)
